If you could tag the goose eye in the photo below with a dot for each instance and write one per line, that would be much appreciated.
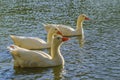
(55, 29)
(83, 16)
(58, 38)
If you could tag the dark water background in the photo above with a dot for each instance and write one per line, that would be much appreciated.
(99, 59)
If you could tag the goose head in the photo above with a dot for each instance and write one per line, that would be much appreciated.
(83, 17)
(58, 39)
(80, 19)
(53, 30)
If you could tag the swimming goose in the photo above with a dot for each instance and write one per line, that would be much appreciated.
(30, 58)
(33, 42)
(67, 30)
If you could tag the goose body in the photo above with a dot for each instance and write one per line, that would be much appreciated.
(67, 30)
(34, 42)
(29, 58)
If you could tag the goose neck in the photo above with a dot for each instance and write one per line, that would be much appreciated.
(79, 24)
(49, 38)
(55, 50)
(56, 55)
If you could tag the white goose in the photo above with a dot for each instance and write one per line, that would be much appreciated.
(35, 43)
(67, 30)
(29, 58)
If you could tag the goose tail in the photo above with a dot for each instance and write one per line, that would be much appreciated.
(43, 24)
(11, 48)
(13, 38)
(46, 26)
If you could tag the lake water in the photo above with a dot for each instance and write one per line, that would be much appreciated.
(98, 59)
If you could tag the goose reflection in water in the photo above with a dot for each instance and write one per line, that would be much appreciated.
(39, 73)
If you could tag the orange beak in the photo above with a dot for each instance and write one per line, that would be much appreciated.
(65, 39)
(59, 33)
(86, 18)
